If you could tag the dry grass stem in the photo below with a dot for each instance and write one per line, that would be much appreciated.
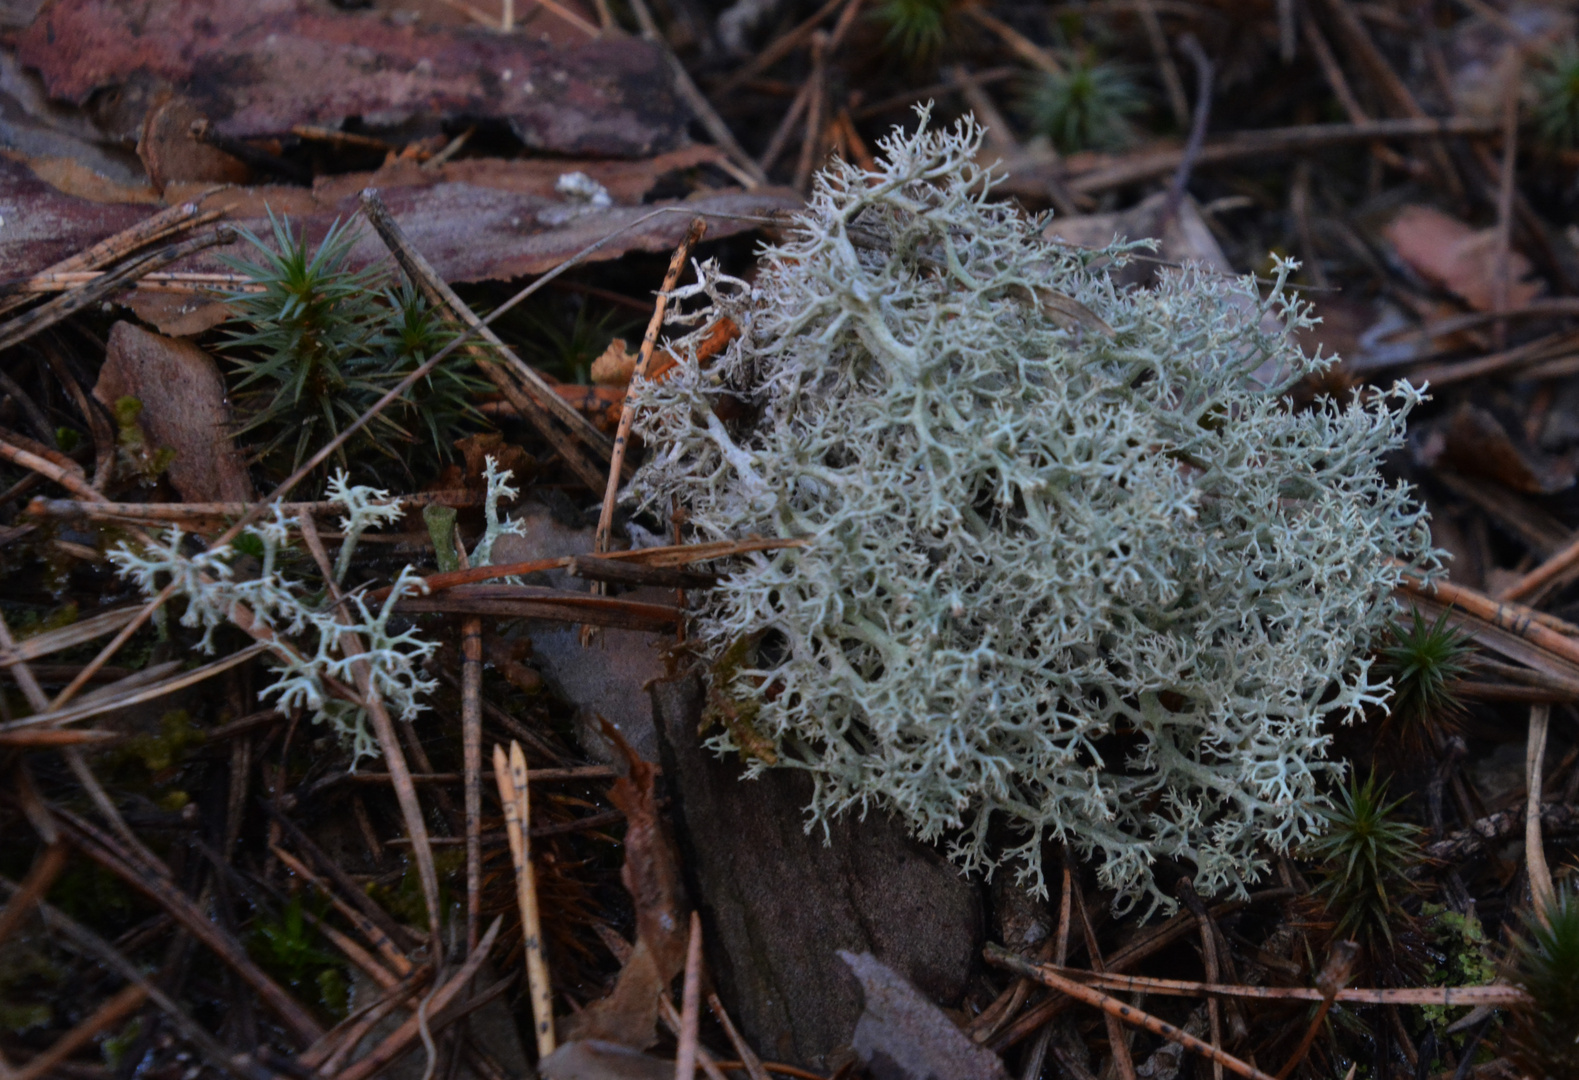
(511, 775)
(649, 342)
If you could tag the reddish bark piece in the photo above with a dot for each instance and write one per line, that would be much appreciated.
(468, 233)
(1453, 256)
(183, 398)
(44, 225)
(260, 68)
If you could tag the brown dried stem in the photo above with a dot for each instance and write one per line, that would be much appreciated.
(1118, 1011)
(471, 760)
(388, 741)
(690, 1004)
(649, 342)
(1334, 974)
(511, 776)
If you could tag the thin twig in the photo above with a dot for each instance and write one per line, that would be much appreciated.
(1502, 272)
(352, 648)
(1150, 164)
(1334, 974)
(1119, 1011)
(1118, 1044)
(112, 1012)
(1192, 902)
(1170, 71)
(129, 866)
(1145, 944)
(748, 1057)
(1204, 75)
(239, 1065)
(813, 138)
(370, 930)
(690, 1004)
(399, 1040)
(1018, 43)
(781, 47)
(1447, 997)
(471, 756)
(649, 342)
(700, 107)
(34, 887)
(1542, 891)
(329, 1053)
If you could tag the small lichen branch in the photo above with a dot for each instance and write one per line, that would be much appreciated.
(1076, 569)
(211, 587)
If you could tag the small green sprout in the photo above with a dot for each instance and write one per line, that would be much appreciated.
(320, 343)
(1087, 106)
(1544, 1037)
(917, 28)
(1556, 109)
(1425, 660)
(288, 947)
(1366, 854)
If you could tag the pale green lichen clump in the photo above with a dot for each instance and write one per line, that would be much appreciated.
(305, 612)
(1074, 570)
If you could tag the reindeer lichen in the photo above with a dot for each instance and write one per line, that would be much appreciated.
(208, 582)
(1076, 570)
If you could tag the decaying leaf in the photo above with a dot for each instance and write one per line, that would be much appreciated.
(1452, 256)
(903, 1036)
(182, 398)
(629, 1014)
(1477, 444)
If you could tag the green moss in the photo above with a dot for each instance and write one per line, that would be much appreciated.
(157, 753)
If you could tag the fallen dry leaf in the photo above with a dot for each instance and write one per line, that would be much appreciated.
(257, 69)
(1477, 444)
(170, 153)
(176, 314)
(1452, 256)
(616, 366)
(629, 1014)
(183, 408)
